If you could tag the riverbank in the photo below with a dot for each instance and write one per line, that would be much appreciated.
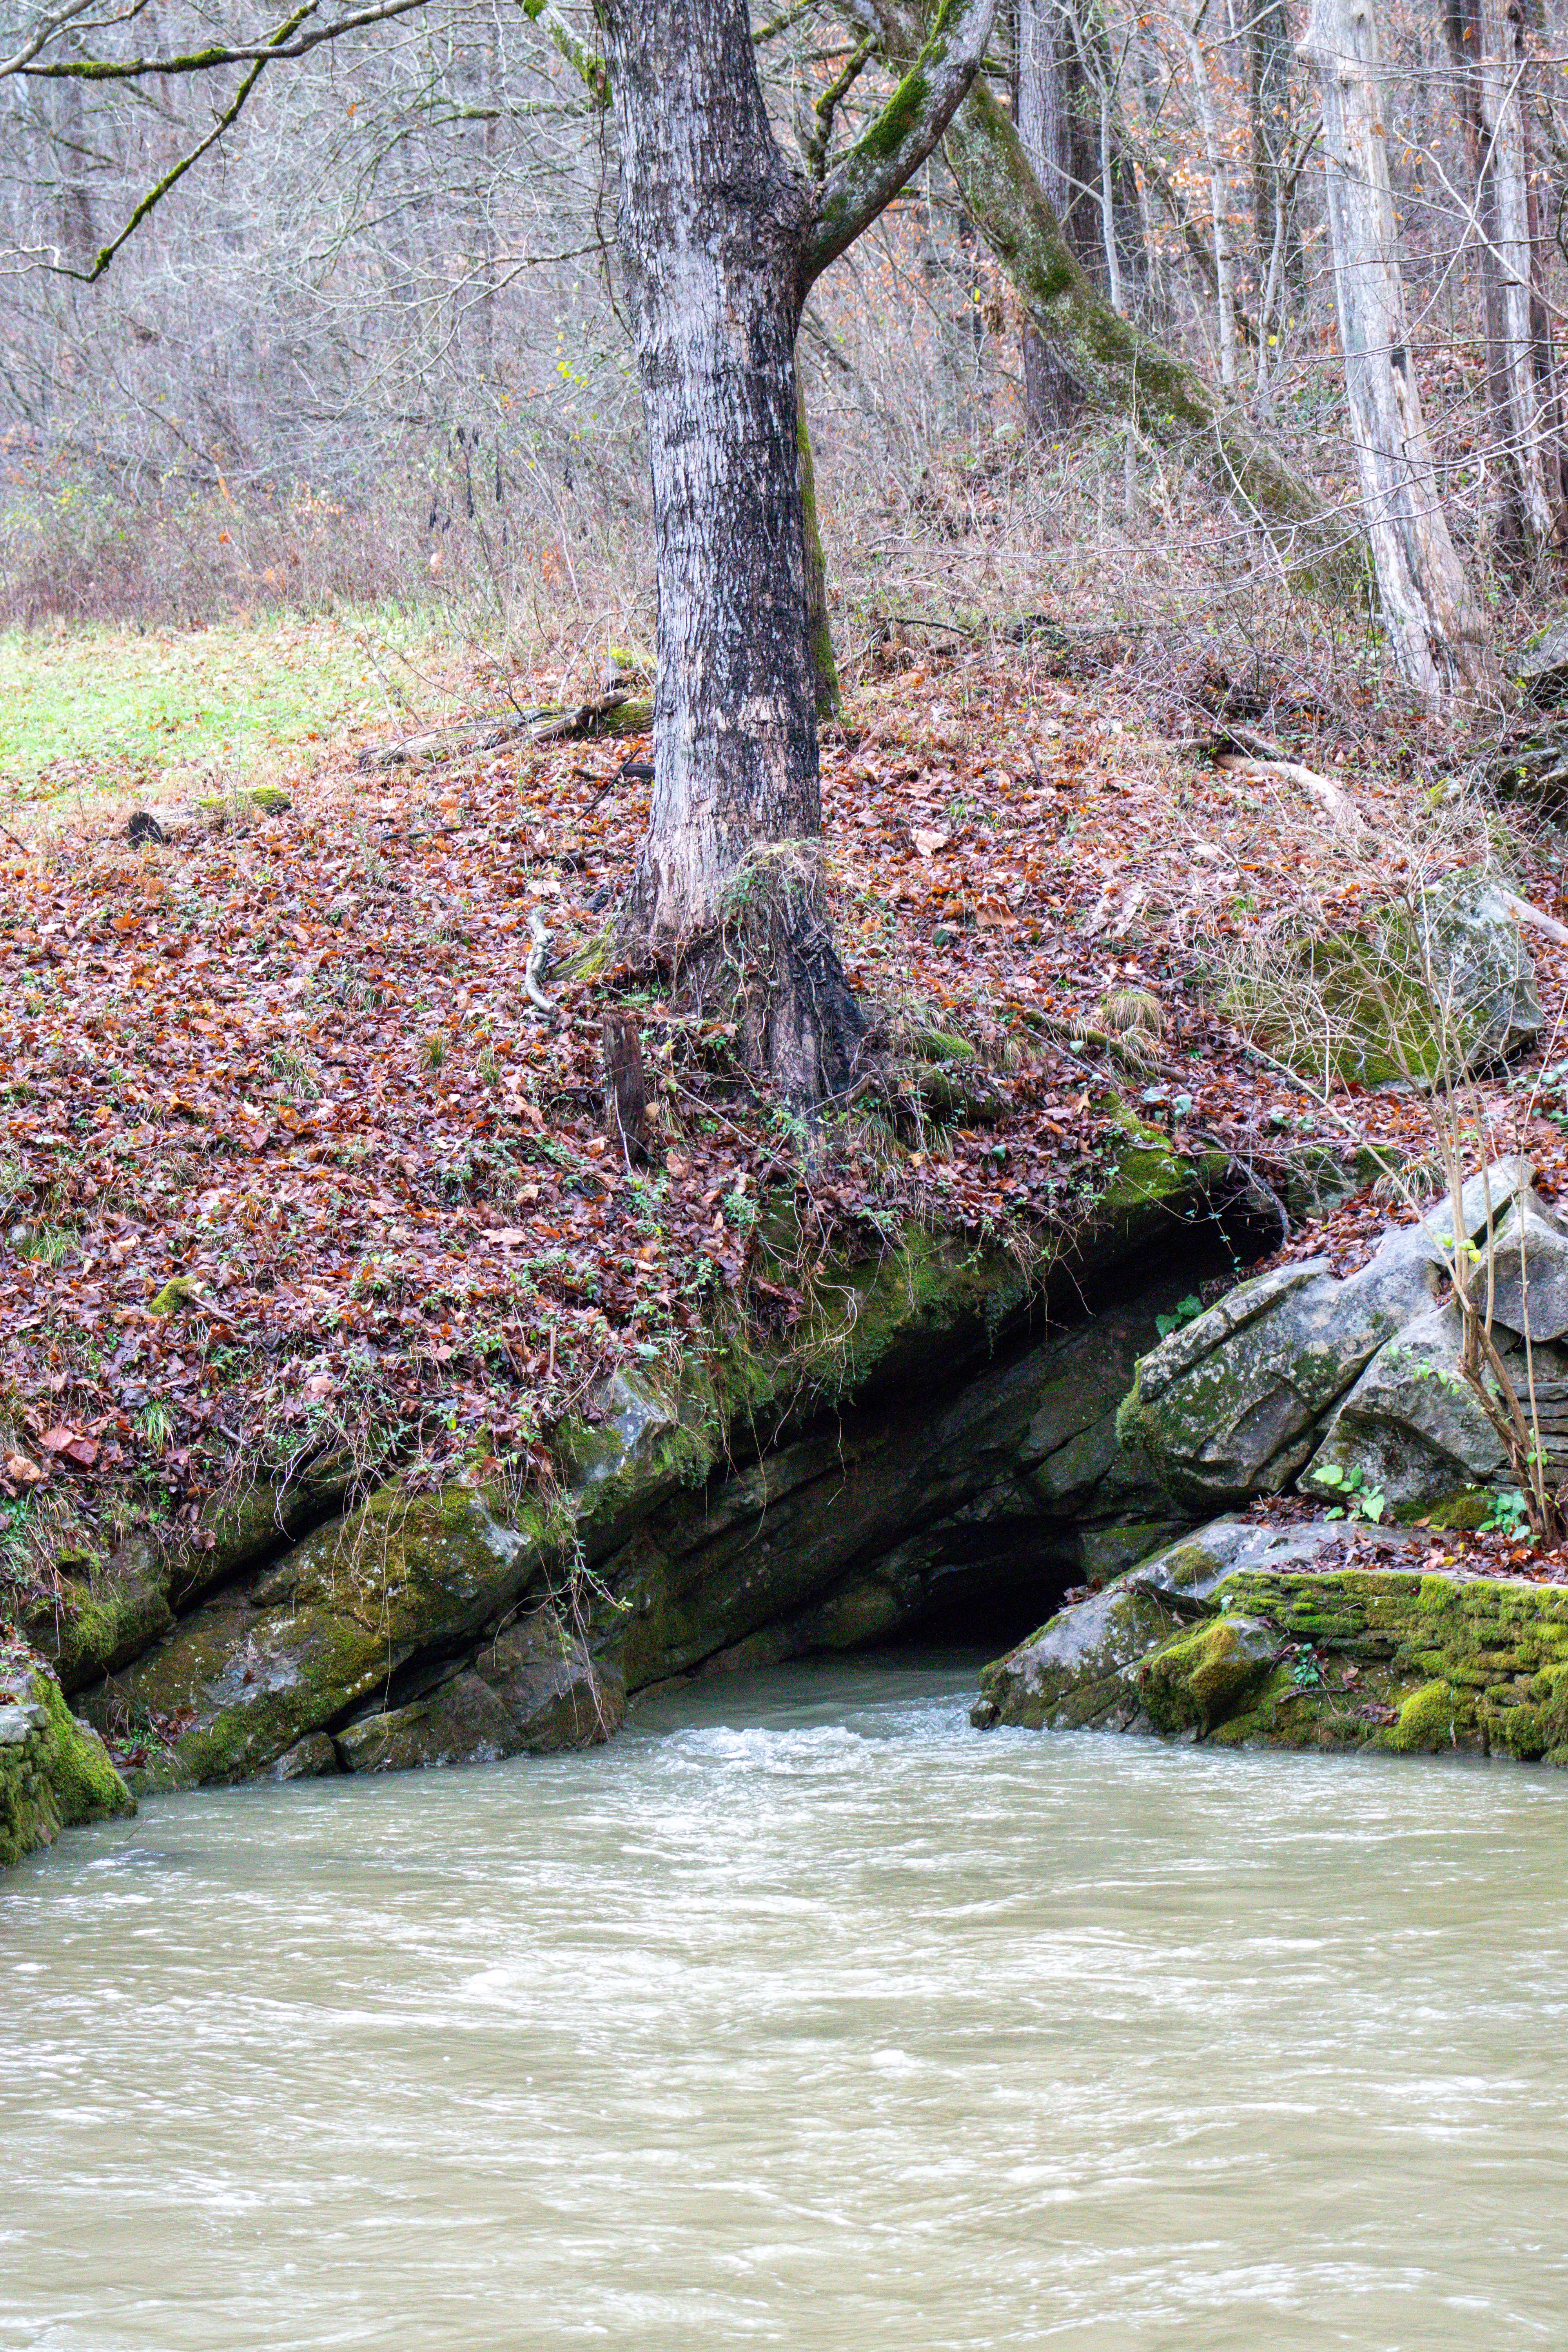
(315, 1235)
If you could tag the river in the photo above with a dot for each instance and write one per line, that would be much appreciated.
(801, 2016)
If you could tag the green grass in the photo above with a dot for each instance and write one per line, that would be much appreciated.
(94, 708)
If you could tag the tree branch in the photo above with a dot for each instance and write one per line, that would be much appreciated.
(897, 143)
(591, 71)
(155, 196)
(205, 60)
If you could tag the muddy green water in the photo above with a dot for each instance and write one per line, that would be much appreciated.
(802, 2016)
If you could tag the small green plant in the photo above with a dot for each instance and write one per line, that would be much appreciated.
(1305, 1671)
(1361, 1501)
(1509, 1516)
(155, 1425)
(433, 1050)
(1185, 1310)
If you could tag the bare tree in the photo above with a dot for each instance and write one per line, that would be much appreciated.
(1490, 43)
(1434, 623)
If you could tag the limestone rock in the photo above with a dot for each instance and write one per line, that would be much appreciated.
(1082, 1669)
(556, 1694)
(332, 1623)
(312, 1759)
(1406, 1663)
(1530, 1270)
(1485, 1003)
(1227, 1407)
(462, 1722)
(1411, 1426)
(534, 1689)
(1195, 1680)
(1542, 667)
(54, 1770)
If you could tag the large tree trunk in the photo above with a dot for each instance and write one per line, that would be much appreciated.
(720, 242)
(713, 227)
(1434, 623)
(1491, 54)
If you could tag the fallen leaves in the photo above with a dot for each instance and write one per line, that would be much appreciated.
(70, 1445)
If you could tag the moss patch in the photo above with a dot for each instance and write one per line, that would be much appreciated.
(1384, 1660)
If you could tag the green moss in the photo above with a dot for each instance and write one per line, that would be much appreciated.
(86, 1786)
(1403, 1664)
(176, 1296)
(53, 1773)
(1197, 1679)
(1468, 1509)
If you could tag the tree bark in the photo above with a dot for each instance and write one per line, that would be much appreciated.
(1219, 204)
(828, 693)
(1435, 624)
(1491, 57)
(721, 241)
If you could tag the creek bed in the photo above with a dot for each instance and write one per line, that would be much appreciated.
(801, 2016)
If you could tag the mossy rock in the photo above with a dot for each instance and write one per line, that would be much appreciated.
(55, 1772)
(1403, 1664)
(1426, 994)
(109, 1611)
(333, 1621)
(1197, 1679)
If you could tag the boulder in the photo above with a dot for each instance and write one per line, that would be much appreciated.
(556, 1694)
(1485, 1006)
(534, 1689)
(1082, 1669)
(1195, 1679)
(258, 1668)
(311, 1759)
(1228, 1406)
(55, 1771)
(461, 1722)
(1432, 989)
(1542, 669)
(1530, 1270)
(1411, 1430)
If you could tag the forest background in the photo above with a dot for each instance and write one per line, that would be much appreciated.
(370, 349)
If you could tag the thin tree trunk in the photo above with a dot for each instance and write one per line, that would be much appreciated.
(818, 620)
(1491, 57)
(1434, 623)
(1219, 205)
(1046, 87)
(1269, 94)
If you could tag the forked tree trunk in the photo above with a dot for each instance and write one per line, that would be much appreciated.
(713, 227)
(1434, 623)
(1491, 54)
(721, 241)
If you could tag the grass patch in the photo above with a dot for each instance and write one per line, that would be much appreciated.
(90, 708)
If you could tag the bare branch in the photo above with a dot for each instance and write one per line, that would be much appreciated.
(205, 60)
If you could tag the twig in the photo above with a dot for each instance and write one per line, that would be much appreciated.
(1523, 913)
(538, 961)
